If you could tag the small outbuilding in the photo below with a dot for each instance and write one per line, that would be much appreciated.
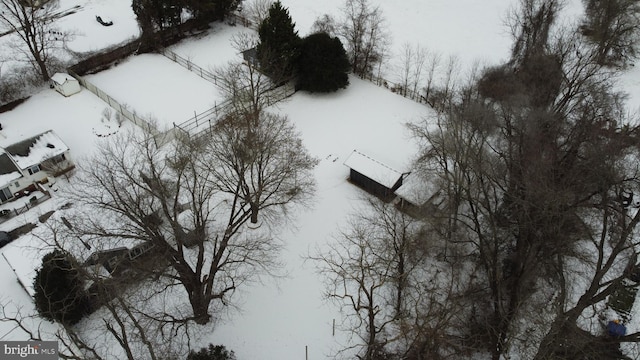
(373, 176)
(416, 195)
(65, 84)
(250, 56)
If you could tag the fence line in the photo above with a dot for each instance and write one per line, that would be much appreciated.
(133, 117)
(205, 121)
(200, 123)
(161, 138)
(187, 64)
(35, 201)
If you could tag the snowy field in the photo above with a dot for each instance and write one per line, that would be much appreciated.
(151, 85)
(279, 318)
(86, 34)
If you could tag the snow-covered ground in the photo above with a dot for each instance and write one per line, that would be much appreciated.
(85, 34)
(278, 318)
(151, 85)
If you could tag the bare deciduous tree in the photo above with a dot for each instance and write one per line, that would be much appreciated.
(191, 202)
(129, 311)
(265, 164)
(530, 26)
(441, 96)
(325, 23)
(613, 27)
(410, 68)
(369, 271)
(365, 36)
(249, 91)
(432, 67)
(523, 182)
(33, 25)
(256, 11)
(610, 255)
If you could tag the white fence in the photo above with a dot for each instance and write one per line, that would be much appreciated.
(161, 138)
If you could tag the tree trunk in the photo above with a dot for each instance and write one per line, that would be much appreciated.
(371, 342)
(401, 284)
(200, 307)
(254, 213)
(196, 288)
(43, 69)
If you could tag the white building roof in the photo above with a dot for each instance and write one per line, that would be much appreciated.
(372, 169)
(37, 149)
(416, 190)
(61, 78)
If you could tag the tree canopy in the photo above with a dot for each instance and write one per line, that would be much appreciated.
(278, 47)
(58, 287)
(323, 64)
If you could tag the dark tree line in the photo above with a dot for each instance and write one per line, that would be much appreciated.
(318, 62)
(534, 156)
(157, 15)
(526, 233)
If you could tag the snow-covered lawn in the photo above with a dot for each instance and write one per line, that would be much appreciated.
(214, 49)
(85, 33)
(278, 318)
(88, 34)
(155, 87)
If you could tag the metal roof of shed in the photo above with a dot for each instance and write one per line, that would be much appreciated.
(373, 169)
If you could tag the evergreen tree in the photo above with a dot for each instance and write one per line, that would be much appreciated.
(323, 64)
(277, 50)
(211, 10)
(156, 15)
(59, 293)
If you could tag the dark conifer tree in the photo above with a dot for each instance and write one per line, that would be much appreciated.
(59, 292)
(323, 64)
(211, 10)
(279, 41)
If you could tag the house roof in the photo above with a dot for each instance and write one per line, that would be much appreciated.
(61, 78)
(373, 169)
(35, 150)
(8, 170)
